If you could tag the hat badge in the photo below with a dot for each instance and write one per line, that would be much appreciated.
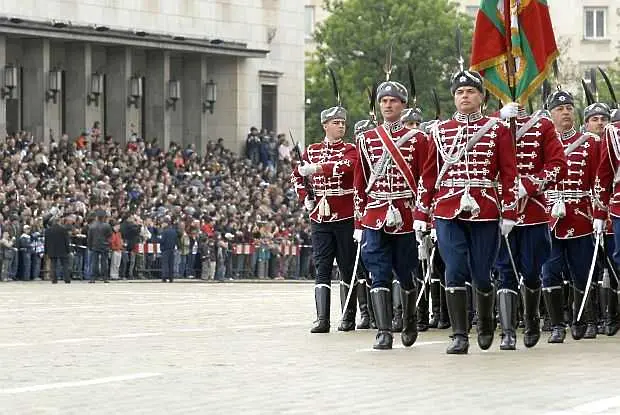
(388, 88)
(562, 98)
(462, 79)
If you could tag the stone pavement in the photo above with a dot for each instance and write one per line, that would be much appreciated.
(157, 348)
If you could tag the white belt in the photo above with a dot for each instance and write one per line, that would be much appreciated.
(334, 192)
(389, 196)
(486, 183)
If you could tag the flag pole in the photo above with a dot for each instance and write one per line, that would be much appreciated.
(510, 61)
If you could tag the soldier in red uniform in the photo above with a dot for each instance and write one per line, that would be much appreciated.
(541, 163)
(606, 202)
(468, 156)
(570, 202)
(330, 164)
(390, 161)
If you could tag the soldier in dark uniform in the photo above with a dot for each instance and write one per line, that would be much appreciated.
(467, 156)
(329, 165)
(541, 163)
(571, 226)
(386, 179)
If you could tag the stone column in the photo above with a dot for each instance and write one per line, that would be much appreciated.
(2, 100)
(194, 119)
(37, 111)
(81, 112)
(118, 72)
(156, 92)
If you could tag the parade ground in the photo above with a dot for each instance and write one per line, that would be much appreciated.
(228, 348)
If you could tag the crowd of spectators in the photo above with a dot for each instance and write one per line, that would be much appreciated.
(234, 216)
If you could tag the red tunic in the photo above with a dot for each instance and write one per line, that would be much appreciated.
(334, 183)
(491, 162)
(576, 189)
(541, 163)
(371, 208)
(607, 188)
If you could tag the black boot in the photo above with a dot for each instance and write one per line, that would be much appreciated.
(553, 302)
(456, 300)
(362, 300)
(578, 328)
(382, 305)
(485, 307)
(603, 304)
(471, 311)
(435, 288)
(322, 298)
(611, 322)
(507, 307)
(422, 311)
(371, 312)
(589, 315)
(531, 319)
(348, 315)
(444, 316)
(568, 303)
(410, 328)
(397, 312)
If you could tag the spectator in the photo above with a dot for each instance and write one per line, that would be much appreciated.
(99, 234)
(57, 242)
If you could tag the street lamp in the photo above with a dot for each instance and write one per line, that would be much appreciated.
(210, 97)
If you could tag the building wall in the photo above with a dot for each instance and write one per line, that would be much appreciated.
(273, 25)
(568, 19)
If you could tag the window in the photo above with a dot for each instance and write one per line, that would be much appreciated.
(472, 10)
(595, 23)
(309, 21)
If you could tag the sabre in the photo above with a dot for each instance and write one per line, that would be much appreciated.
(353, 279)
(590, 274)
(427, 277)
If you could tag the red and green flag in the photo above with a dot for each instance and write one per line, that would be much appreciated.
(520, 29)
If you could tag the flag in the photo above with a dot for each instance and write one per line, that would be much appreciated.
(527, 37)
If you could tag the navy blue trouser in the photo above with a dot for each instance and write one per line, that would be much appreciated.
(333, 240)
(576, 253)
(384, 254)
(469, 250)
(167, 264)
(531, 247)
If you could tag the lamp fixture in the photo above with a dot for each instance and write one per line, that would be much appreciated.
(10, 81)
(96, 88)
(174, 94)
(54, 85)
(210, 97)
(135, 91)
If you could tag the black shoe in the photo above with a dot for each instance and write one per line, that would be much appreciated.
(578, 327)
(348, 315)
(322, 298)
(67, 281)
(106, 281)
(54, 281)
(164, 280)
(91, 281)
(553, 302)
(485, 304)
(507, 307)
(382, 306)
(410, 328)
(397, 308)
(591, 331)
(456, 302)
(531, 318)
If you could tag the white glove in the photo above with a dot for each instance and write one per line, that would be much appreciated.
(434, 235)
(598, 225)
(306, 169)
(357, 235)
(419, 226)
(506, 226)
(522, 191)
(309, 204)
(509, 110)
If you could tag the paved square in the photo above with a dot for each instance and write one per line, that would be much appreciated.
(197, 348)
